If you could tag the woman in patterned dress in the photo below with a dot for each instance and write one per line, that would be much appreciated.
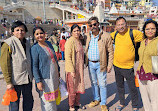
(45, 70)
(74, 67)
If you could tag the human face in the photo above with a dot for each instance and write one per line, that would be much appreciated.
(19, 32)
(121, 26)
(39, 35)
(76, 32)
(150, 30)
(94, 26)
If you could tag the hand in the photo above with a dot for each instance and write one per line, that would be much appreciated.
(73, 74)
(10, 86)
(108, 70)
(40, 86)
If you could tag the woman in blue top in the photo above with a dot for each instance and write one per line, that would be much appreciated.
(45, 70)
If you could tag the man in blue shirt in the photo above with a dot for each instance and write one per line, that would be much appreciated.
(99, 59)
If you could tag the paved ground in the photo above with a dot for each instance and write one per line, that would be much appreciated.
(112, 100)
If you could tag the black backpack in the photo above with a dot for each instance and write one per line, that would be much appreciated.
(136, 46)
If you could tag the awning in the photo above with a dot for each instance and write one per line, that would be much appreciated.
(38, 18)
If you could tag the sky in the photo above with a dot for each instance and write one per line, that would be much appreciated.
(156, 2)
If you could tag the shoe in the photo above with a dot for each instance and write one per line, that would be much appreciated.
(93, 103)
(104, 108)
(119, 108)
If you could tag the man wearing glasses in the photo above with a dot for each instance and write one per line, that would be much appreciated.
(124, 56)
(99, 59)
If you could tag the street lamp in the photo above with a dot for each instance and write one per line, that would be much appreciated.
(44, 11)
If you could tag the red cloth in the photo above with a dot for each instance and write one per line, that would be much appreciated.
(62, 44)
(146, 76)
(73, 97)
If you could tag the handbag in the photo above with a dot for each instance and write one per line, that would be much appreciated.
(154, 60)
(62, 88)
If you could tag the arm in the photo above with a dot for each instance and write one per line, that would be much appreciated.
(138, 36)
(110, 53)
(35, 64)
(5, 62)
(69, 52)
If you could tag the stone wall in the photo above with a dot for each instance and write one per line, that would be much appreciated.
(36, 9)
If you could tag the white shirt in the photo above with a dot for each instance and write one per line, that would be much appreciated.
(66, 34)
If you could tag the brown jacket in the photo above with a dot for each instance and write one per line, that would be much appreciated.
(106, 50)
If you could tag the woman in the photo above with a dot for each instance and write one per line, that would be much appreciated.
(16, 66)
(148, 82)
(74, 66)
(45, 70)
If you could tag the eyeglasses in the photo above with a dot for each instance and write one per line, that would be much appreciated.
(93, 25)
(152, 29)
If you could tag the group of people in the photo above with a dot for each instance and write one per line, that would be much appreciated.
(20, 63)
(58, 42)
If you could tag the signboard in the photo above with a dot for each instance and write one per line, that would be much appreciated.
(80, 16)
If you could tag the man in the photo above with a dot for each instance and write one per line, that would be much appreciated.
(15, 63)
(124, 57)
(53, 38)
(63, 32)
(99, 59)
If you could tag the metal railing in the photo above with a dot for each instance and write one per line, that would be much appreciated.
(75, 11)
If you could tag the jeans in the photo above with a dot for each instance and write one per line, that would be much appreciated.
(26, 90)
(99, 92)
(62, 54)
(128, 74)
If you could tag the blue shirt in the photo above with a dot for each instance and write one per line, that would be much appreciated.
(93, 50)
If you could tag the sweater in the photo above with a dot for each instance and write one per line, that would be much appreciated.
(145, 53)
(70, 55)
(20, 62)
(40, 62)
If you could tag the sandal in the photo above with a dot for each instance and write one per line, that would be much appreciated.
(71, 109)
(136, 109)
(119, 108)
(80, 107)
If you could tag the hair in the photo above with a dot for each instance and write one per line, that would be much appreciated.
(93, 18)
(119, 18)
(17, 24)
(147, 22)
(74, 26)
(36, 28)
(63, 29)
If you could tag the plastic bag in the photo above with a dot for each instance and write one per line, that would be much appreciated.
(9, 96)
(62, 88)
